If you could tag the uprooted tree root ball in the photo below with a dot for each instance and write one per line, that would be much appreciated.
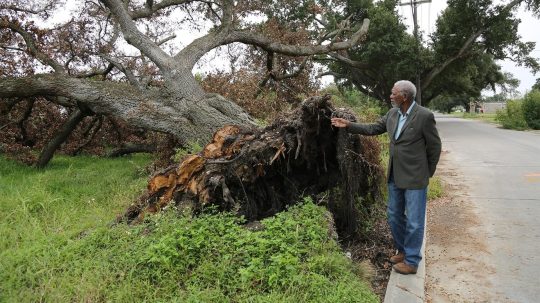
(257, 173)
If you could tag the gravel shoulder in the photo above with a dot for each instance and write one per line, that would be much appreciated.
(457, 269)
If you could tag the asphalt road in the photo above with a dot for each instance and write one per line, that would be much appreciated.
(502, 171)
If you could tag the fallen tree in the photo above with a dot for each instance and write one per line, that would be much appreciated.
(85, 65)
(259, 172)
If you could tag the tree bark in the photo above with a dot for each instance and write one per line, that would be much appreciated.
(60, 137)
(188, 119)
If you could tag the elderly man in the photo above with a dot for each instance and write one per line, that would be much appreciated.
(415, 148)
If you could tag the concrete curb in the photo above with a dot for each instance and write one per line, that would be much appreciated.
(408, 288)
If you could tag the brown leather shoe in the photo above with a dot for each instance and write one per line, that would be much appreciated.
(400, 257)
(404, 268)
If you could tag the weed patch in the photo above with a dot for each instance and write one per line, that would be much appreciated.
(59, 247)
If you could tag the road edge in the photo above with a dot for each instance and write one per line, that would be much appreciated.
(408, 288)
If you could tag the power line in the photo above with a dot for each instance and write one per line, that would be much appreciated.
(429, 19)
(414, 5)
(421, 22)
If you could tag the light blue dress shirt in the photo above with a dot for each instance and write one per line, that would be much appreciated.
(402, 119)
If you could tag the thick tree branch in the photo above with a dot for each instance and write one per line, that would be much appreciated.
(511, 5)
(60, 137)
(348, 61)
(297, 50)
(187, 57)
(101, 97)
(129, 74)
(167, 39)
(151, 8)
(101, 72)
(426, 81)
(24, 10)
(228, 13)
(153, 109)
(31, 45)
(330, 73)
(136, 38)
(60, 100)
(343, 26)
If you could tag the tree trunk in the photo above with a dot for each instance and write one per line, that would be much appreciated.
(257, 173)
(60, 137)
(168, 110)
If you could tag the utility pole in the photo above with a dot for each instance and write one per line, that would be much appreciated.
(414, 5)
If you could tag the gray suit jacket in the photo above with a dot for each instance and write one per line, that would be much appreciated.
(415, 153)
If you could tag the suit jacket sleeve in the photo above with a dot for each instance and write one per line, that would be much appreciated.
(433, 144)
(369, 129)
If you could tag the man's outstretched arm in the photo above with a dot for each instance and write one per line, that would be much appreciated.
(367, 129)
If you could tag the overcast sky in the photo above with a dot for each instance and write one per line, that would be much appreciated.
(528, 29)
(427, 15)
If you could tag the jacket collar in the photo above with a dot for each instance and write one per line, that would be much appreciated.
(410, 118)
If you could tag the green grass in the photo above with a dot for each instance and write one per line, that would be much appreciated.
(435, 188)
(474, 116)
(57, 245)
(69, 196)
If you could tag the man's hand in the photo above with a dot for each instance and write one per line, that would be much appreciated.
(340, 122)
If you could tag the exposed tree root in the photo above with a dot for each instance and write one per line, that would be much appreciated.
(257, 173)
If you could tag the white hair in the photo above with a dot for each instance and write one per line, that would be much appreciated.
(406, 88)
